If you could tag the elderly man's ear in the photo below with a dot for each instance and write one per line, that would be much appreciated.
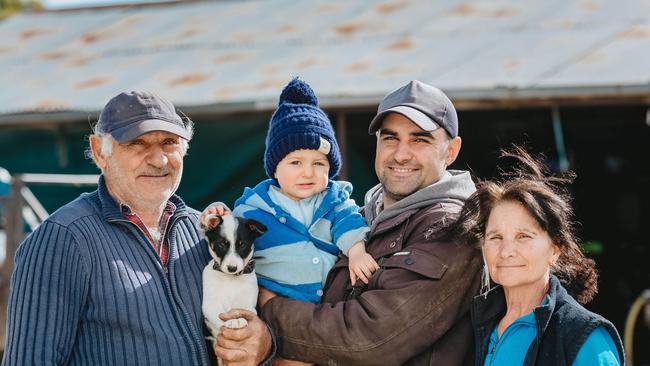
(96, 149)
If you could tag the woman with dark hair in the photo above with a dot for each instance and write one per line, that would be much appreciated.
(533, 315)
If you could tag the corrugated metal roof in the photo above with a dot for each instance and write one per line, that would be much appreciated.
(235, 56)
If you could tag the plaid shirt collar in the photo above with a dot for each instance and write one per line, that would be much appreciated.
(162, 246)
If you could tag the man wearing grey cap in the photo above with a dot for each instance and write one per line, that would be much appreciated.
(415, 309)
(114, 277)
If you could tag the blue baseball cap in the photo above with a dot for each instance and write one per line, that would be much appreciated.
(132, 114)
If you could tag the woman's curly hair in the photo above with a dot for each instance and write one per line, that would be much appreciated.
(544, 197)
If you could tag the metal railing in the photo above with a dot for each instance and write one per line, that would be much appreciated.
(628, 337)
(22, 207)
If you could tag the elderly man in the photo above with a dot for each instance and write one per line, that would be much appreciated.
(114, 277)
(415, 308)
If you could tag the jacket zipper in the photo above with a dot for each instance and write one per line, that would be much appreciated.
(171, 288)
(203, 358)
(492, 351)
(150, 247)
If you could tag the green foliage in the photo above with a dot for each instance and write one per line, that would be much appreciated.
(10, 7)
(593, 247)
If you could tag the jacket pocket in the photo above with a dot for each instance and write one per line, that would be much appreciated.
(417, 261)
(407, 266)
(399, 267)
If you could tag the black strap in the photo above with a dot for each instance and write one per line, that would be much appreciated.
(250, 267)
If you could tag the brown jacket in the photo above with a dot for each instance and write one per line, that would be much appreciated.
(414, 311)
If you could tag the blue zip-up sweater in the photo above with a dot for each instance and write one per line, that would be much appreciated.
(89, 289)
(294, 257)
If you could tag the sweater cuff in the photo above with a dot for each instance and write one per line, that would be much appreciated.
(347, 240)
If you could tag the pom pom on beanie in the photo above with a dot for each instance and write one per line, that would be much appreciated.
(298, 123)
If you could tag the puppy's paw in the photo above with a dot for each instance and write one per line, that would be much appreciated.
(236, 323)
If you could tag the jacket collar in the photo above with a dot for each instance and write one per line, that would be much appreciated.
(394, 221)
(110, 209)
(543, 312)
(453, 187)
(488, 308)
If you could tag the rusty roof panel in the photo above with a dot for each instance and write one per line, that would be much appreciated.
(520, 59)
(621, 59)
(235, 56)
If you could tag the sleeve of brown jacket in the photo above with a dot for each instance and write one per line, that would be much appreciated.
(411, 303)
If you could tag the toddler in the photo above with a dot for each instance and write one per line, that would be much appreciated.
(310, 218)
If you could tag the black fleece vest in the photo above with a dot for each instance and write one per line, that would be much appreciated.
(563, 326)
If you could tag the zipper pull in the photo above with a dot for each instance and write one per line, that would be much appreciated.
(491, 354)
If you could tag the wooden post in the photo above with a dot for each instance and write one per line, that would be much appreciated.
(14, 235)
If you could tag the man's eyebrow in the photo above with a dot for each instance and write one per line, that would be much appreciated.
(422, 134)
(137, 139)
(386, 131)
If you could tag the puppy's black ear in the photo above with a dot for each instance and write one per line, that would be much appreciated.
(256, 227)
(210, 222)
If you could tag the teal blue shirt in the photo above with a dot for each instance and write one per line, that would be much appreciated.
(598, 350)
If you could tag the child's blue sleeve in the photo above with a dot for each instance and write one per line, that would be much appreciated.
(349, 227)
(598, 350)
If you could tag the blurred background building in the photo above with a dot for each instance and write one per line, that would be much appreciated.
(570, 79)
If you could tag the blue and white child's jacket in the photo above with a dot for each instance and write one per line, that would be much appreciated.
(303, 238)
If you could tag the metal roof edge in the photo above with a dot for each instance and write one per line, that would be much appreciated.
(501, 97)
(550, 91)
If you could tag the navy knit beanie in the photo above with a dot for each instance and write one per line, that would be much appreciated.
(297, 124)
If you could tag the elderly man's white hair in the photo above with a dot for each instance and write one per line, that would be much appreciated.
(107, 140)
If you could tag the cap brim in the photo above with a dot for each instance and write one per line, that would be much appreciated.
(417, 117)
(138, 129)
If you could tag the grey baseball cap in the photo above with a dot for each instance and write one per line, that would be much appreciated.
(425, 105)
(131, 114)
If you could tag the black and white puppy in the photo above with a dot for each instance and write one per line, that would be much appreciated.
(229, 279)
